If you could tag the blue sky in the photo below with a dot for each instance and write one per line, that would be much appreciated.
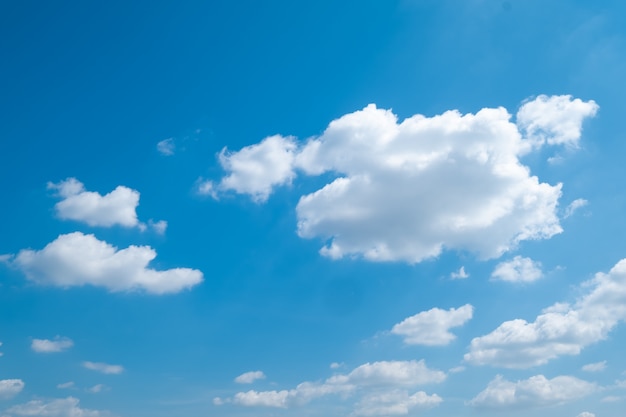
(329, 208)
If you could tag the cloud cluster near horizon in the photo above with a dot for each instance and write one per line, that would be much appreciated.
(406, 191)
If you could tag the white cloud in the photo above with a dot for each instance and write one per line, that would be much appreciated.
(256, 169)
(405, 191)
(77, 259)
(518, 269)
(159, 227)
(62, 407)
(97, 388)
(586, 414)
(460, 274)
(166, 147)
(611, 399)
(370, 376)
(104, 368)
(336, 365)
(249, 377)
(574, 206)
(9, 388)
(536, 391)
(115, 208)
(432, 327)
(1, 352)
(556, 120)
(562, 329)
(59, 344)
(595, 367)
(394, 403)
(66, 385)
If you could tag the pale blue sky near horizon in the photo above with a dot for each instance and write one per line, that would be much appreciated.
(210, 209)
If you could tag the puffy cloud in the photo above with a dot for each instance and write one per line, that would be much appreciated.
(9, 388)
(256, 169)
(556, 120)
(115, 208)
(249, 377)
(97, 388)
(104, 368)
(77, 259)
(574, 206)
(432, 327)
(562, 329)
(62, 407)
(59, 344)
(394, 403)
(166, 147)
(405, 191)
(66, 385)
(535, 391)
(460, 274)
(586, 414)
(379, 376)
(518, 269)
(595, 367)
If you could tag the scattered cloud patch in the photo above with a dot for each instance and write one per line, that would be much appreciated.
(555, 120)
(595, 367)
(460, 274)
(166, 147)
(62, 407)
(115, 208)
(104, 368)
(536, 391)
(249, 377)
(159, 226)
(518, 269)
(456, 369)
(77, 259)
(586, 414)
(405, 191)
(98, 388)
(336, 365)
(58, 344)
(561, 329)
(432, 327)
(66, 385)
(574, 206)
(256, 169)
(369, 378)
(9, 388)
(611, 399)
(395, 403)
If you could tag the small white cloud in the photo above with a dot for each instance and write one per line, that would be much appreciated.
(249, 377)
(115, 208)
(62, 407)
(1, 352)
(66, 385)
(460, 274)
(274, 399)
(104, 368)
(257, 169)
(456, 369)
(536, 391)
(166, 147)
(611, 399)
(97, 388)
(573, 206)
(218, 401)
(561, 329)
(586, 414)
(336, 365)
(394, 403)
(5, 258)
(206, 187)
(77, 259)
(59, 344)
(595, 367)
(9, 388)
(518, 269)
(159, 227)
(432, 327)
(555, 120)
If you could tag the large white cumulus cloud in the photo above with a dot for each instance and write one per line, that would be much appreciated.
(406, 191)
(77, 259)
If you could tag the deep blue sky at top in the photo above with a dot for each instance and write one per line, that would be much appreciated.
(87, 89)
